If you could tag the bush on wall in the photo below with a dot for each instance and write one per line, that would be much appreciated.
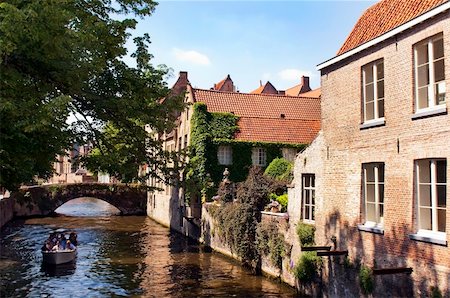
(305, 233)
(279, 169)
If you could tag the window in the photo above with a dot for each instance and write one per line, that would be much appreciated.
(373, 194)
(185, 141)
(373, 90)
(259, 157)
(431, 194)
(225, 155)
(429, 72)
(309, 196)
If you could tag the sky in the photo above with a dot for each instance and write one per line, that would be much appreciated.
(252, 41)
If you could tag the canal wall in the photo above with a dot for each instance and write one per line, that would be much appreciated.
(211, 237)
(6, 211)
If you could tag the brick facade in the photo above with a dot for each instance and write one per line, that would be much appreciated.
(397, 143)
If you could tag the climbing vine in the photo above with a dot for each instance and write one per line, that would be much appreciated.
(271, 242)
(208, 132)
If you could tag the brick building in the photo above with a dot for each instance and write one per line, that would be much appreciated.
(271, 125)
(377, 178)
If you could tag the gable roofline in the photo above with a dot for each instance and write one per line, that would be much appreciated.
(413, 22)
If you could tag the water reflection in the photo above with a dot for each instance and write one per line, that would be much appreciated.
(121, 256)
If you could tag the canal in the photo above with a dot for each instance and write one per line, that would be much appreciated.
(120, 257)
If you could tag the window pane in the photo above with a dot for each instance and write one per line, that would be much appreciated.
(381, 108)
(441, 220)
(307, 197)
(425, 195)
(438, 49)
(439, 89)
(423, 75)
(424, 171)
(370, 212)
(381, 208)
(381, 193)
(370, 195)
(439, 70)
(380, 70)
(307, 181)
(370, 111)
(313, 180)
(381, 172)
(442, 195)
(441, 168)
(423, 98)
(313, 217)
(380, 89)
(425, 218)
(306, 213)
(370, 172)
(422, 53)
(369, 92)
(368, 70)
(313, 197)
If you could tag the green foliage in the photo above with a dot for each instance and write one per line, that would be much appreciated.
(307, 266)
(237, 222)
(366, 279)
(271, 242)
(282, 199)
(66, 58)
(435, 292)
(305, 233)
(279, 169)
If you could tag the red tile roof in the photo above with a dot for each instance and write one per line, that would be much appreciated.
(313, 93)
(267, 88)
(277, 130)
(268, 118)
(383, 17)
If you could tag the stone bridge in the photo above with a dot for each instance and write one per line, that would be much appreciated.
(130, 199)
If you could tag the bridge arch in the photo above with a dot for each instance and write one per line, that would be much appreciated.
(130, 199)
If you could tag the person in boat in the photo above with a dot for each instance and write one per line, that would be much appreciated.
(69, 245)
(73, 238)
(47, 245)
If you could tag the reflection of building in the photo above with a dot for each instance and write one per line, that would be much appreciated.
(376, 179)
(268, 125)
(68, 168)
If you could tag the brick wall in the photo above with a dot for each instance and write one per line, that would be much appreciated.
(397, 144)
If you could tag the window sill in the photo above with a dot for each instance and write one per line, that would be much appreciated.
(373, 123)
(429, 237)
(433, 111)
(369, 229)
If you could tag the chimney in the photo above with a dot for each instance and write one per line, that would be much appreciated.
(260, 83)
(184, 75)
(304, 81)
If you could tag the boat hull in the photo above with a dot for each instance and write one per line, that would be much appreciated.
(58, 257)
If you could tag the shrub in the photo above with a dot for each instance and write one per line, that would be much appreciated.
(279, 169)
(305, 233)
(307, 266)
(366, 279)
(271, 242)
(283, 200)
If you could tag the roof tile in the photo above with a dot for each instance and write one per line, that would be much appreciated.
(383, 17)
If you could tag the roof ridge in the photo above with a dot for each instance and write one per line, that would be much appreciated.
(255, 94)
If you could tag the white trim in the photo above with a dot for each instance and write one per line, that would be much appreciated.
(431, 13)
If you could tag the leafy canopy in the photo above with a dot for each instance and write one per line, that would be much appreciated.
(65, 57)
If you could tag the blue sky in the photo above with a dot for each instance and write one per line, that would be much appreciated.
(251, 40)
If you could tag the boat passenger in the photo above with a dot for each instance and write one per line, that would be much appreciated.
(73, 238)
(69, 245)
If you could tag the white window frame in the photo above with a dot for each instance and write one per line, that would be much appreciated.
(376, 108)
(434, 232)
(432, 105)
(225, 155)
(259, 156)
(311, 190)
(379, 223)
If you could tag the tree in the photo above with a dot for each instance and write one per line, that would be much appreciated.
(65, 57)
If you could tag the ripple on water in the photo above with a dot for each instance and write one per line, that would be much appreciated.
(120, 256)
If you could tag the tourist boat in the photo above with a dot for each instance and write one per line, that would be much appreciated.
(59, 257)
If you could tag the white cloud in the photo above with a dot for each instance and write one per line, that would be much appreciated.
(193, 57)
(292, 74)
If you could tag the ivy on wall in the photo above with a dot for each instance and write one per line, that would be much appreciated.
(208, 132)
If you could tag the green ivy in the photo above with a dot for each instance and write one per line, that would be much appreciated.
(208, 132)
(305, 234)
(271, 242)
(307, 266)
(366, 280)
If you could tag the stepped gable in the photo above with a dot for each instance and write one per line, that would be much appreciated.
(383, 17)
